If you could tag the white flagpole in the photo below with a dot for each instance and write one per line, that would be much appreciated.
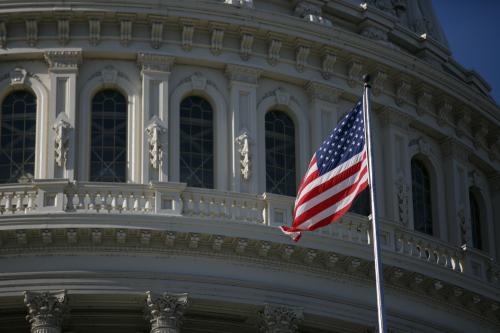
(379, 274)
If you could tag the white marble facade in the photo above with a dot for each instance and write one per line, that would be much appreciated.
(152, 254)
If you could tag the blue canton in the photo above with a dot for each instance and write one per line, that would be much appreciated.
(346, 140)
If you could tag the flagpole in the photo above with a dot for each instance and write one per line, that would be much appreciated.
(379, 276)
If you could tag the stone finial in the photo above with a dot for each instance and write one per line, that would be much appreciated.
(280, 319)
(46, 310)
(165, 312)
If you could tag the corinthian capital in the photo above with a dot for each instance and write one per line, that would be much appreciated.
(46, 310)
(280, 319)
(165, 312)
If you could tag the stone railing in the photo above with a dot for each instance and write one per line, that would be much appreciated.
(175, 199)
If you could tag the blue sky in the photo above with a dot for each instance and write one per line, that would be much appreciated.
(473, 31)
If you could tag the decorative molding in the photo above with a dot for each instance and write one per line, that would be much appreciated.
(198, 81)
(240, 3)
(402, 91)
(125, 31)
(218, 241)
(94, 31)
(155, 131)
(63, 60)
(243, 74)
(187, 34)
(194, 241)
(424, 101)
(301, 55)
(156, 33)
(379, 80)
(280, 318)
(241, 245)
(422, 146)
(246, 45)
(322, 92)
(282, 96)
(31, 31)
(17, 76)
(328, 60)
(108, 75)
(443, 111)
(46, 310)
(243, 141)
(150, 62)
(217, 39)
(61, 140)
(165, 312)
(374, 33)
(63, 31)
(274, 48)
(354, 69)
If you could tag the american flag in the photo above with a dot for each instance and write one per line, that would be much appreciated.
(337, 173)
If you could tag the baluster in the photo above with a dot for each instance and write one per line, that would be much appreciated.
(212, 208)
(147, 204)
(125, 206)
(137, 204)
(224, 211)
(31, 201)
(234, 210)
(8, 202)
(113, 203)
(189, 205)
(88, 202)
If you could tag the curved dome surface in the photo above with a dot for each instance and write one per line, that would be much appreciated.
(149, 151)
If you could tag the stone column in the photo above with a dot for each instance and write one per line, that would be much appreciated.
(155, 71)
(46, 310)
(323, 110)
(63, 70)
(457, 192)
(280, 319)
(396, 165)
(165, 312)
(243, 113)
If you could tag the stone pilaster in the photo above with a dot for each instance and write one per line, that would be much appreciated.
(457, 189)
(61, 154)
(155, 71)
(165, 312)
(243, 113)
(280, 319)
(46, 310)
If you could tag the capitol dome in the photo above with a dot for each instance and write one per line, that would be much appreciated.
(150, 149)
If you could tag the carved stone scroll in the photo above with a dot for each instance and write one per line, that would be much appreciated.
(165, 312)
(61, 129)
(46, 310)
(280, 319)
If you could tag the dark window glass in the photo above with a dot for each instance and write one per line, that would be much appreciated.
(280, 154)
(361, 204)
(197, 143)
(108, 147)
(421, 189)
(17, 137)
(475, 217)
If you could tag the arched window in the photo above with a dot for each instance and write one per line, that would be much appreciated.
(108, 141)
(17, 137)
(422, 204)
(280, 154)
(475, 218)
(196, 142)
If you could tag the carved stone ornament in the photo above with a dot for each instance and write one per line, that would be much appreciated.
(403, 190)
(109, 75)
(280, 319)
(273, 54)
(282, 96)
(243, 141)
(443, 112)
(187, 35)
(63, 60)
(217, 40)
(156, 34)
(301, 55)
(46, 310)
(155, 131)
(402, 92)
(94, 31)
(61, 139)
(63, 30)
(422, 146)
(32, 31)
(165, 312)
(354, 72)
(328, 61)
(3, 35)
(311, 12)
(246, 46)
(378, 82)
(375, 33)
(480, 133)
(462, 122)
(424, 102)
(17, 76)
(198, 81)
(155, 62)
